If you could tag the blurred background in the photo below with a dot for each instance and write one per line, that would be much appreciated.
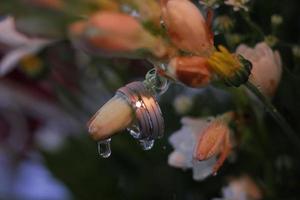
(49, 90)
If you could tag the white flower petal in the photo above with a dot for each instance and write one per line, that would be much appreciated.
(8, 34)
(203, 169)
(179, 160)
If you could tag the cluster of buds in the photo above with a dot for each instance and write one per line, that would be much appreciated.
(131, 28)
(191, 59)
(202, 62)
(190, 53)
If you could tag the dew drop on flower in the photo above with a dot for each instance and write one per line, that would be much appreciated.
(146, 144)
(104, 148)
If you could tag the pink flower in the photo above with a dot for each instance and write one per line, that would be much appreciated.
(187, 27)
(267, 67)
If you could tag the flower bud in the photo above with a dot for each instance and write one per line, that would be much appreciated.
(215, 140)
(187, 27)
(210, 141)
(112, 117)
(267, 67)
(192, 71)
(115, 33)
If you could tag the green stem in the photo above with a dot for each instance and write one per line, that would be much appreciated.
(290, 133)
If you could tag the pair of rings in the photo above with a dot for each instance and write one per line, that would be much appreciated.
(149, 123)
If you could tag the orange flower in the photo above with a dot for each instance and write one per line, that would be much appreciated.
(111, 32)
(192, 71)
(187, 27)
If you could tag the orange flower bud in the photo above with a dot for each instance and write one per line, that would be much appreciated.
(192, 71)
(187, 27)
(212, 140)
(111, 32)
(215, 141)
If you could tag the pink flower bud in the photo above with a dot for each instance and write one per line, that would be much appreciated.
(192, 71)
(187, 27)
(112, 117)
(267, 67)
(111, 32)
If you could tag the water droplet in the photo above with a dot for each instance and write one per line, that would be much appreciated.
(104, 148)
(134, 131)
(146, 144)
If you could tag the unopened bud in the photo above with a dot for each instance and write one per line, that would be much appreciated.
(192, 71)
(111, 118)
(187, 27)
(115, 33)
